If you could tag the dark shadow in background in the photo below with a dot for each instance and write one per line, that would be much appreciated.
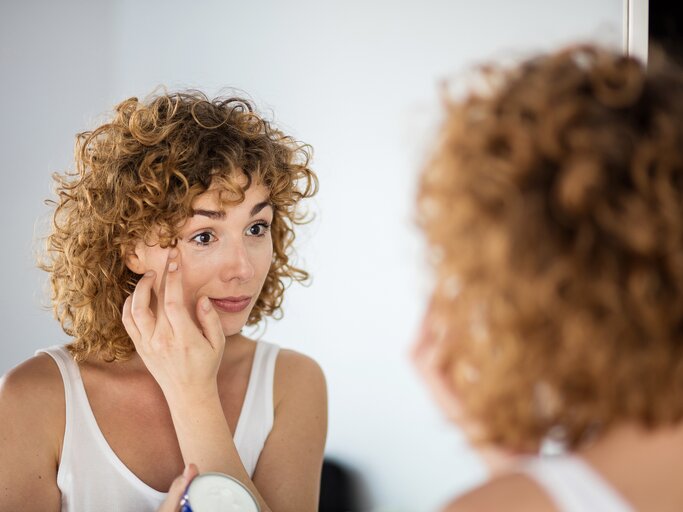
(342, 489)
(665, 27)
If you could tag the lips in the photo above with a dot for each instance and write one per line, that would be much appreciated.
(231, 304)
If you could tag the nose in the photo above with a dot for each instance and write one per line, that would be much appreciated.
(236, 262)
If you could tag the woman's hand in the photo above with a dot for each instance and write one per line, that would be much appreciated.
(183, 357)
(175, 493)
(428, 356)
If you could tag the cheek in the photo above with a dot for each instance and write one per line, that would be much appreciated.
(196, 273)
(262, 261)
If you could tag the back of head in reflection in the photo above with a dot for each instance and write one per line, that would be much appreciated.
(553, 211)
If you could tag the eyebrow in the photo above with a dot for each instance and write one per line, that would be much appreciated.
(260, 206)
(220, 214)
(212, 214)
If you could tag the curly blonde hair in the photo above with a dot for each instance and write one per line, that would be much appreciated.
(553, 209)
(138, 175)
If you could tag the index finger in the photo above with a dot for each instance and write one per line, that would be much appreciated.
(140, 305)
(174, 301)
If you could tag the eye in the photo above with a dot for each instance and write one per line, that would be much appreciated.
(258, 229)
(203, 239)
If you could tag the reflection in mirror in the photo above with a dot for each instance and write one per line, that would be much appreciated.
(173, 233)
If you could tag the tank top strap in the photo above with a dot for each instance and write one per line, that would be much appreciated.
(573, 485)
(257, 415)
(70, 377)
(74, 391)
(85, 451)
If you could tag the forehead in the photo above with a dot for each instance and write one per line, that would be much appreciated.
(220, 197)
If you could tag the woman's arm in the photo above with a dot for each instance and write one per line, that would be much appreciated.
(287, 476)
(288, 471)
(33, 418)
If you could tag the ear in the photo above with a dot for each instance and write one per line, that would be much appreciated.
(134, 259)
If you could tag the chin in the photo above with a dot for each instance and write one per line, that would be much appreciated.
(232, 328)
(233, 323)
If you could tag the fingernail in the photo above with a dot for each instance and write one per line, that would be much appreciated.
(172, 267)
(206, 304)
(173, 253)
(149, 273)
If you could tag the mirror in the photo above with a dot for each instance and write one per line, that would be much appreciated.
(359, 81)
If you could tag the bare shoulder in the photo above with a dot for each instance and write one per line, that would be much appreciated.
(296, 373)
(32, 393)
(34, 383)
(513, 492)
(295, 364)
(32, 397)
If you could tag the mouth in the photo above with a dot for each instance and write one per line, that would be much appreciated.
(231, 304)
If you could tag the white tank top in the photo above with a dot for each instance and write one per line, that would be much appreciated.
(573, 485)
(92, 478)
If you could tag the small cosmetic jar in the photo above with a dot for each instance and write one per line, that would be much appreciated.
(216, 492)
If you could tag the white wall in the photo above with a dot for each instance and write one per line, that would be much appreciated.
(356, 79)
(55, 70)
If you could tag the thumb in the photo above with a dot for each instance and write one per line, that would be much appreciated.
(210, 323)
(175, 493)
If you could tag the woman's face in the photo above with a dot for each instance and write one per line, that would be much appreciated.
(224, 254)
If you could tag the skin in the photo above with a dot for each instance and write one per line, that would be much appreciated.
(183, 389)
(642, 465)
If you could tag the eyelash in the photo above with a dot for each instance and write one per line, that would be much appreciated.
(263, 225)
(202, 244)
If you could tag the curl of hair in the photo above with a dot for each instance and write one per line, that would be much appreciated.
(136, 177)
(553, 209)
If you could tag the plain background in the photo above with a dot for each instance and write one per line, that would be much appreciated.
(359, 80)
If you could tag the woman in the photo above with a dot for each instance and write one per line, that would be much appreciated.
(553, 207)
(173, 234)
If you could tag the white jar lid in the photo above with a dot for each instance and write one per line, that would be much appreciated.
(217, 492)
